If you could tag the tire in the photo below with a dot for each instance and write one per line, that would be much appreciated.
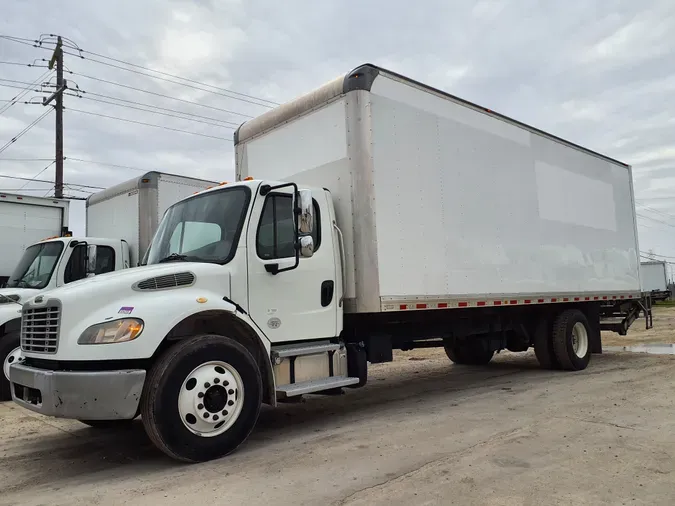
(472, 352)
(178, 394)
(9, 344)
(543, 346)
(571, 341)
(107, 424)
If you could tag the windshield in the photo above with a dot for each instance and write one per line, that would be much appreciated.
(205, 228)
(36, 265)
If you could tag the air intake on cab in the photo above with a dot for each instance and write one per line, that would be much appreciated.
(165, 282)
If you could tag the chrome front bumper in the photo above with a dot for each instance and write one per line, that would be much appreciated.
(90, 395)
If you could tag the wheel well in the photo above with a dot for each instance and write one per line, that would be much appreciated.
(227, 324)
(10, 326)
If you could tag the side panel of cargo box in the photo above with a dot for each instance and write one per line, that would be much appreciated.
(471, 207)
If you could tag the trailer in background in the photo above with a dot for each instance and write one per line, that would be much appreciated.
(654, 279)
(25, 220)
(134, 208)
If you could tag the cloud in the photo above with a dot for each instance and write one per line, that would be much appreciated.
(599, 74)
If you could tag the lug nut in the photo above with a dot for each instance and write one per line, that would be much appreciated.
(200, 406)
(200, 394)
(216, 380)
(207, 384)
(230, 403)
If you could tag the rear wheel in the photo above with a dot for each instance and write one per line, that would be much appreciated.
(570, 339)
(202, 398)
(470, 352)
(10, 353)
(543, 346)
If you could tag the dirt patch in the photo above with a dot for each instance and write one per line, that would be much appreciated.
(663, 330)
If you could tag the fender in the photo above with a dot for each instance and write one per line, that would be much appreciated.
(11, 326)
(237, 325)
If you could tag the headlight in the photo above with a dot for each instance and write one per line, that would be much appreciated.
(117, 331)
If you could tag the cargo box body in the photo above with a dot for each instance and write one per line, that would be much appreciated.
(654, 276)
(443, 203)
(133, 209)
(25, 220)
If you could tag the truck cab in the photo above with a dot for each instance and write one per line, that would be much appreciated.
(44, 266)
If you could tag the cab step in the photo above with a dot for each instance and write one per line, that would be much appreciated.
(299, 350)
(313, 386)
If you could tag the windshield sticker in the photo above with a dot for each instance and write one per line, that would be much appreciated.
(125, 310)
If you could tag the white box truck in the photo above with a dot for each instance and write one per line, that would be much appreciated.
(372, 214)
(120, 223)
(24, 220)
(654, 279)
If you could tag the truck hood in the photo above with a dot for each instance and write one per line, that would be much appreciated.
(17, 294)
(113, 285)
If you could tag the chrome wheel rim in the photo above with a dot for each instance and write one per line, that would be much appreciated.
(579, 340)
(211, 399)
(15, 357)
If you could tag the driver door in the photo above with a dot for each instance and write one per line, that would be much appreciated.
(298, 304)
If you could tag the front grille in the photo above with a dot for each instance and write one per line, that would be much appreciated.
(40, 329)
(166, 281)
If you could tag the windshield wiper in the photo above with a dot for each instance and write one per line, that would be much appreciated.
(173, 257)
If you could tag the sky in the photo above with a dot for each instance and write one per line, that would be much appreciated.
(600, 74)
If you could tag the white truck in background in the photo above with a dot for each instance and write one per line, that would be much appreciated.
(120, 222)
(384, 214)
(654, 279)
(25, 220)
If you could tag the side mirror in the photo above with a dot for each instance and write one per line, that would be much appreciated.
(91, 260)
(306, 217)
(306, 246)
(305, 223)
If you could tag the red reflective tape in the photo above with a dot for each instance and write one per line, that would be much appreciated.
(442, 305)
(527, 301)
(480, 303)
(566, 299)
(498, 303)
(576, 299)
(630, 296)
(587, 298)
(403, 306)
(540, 301)
(604, 297)
(623, 297)
(554, 299)
(463, 304)
(421, 306)
(513, 302)
(614, 297)
(596, 297)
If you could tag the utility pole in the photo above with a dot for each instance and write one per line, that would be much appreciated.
(61, 86)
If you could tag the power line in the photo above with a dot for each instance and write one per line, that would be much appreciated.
(187, 85)
(655, 220)
(39, 173)
(160, 94)
(23, 132)
(167, 74)
(148, 124)
(24, 159)
(159, 112)
(23, 93)
(19, 178)
(158, 107)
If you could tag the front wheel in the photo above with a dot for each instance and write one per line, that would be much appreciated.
(10, 353)
(202, 398)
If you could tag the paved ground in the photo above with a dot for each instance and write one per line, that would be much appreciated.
(422, 432)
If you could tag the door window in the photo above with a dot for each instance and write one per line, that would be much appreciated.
(276, 233)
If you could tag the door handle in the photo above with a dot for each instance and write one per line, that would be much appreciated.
(327, 289)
